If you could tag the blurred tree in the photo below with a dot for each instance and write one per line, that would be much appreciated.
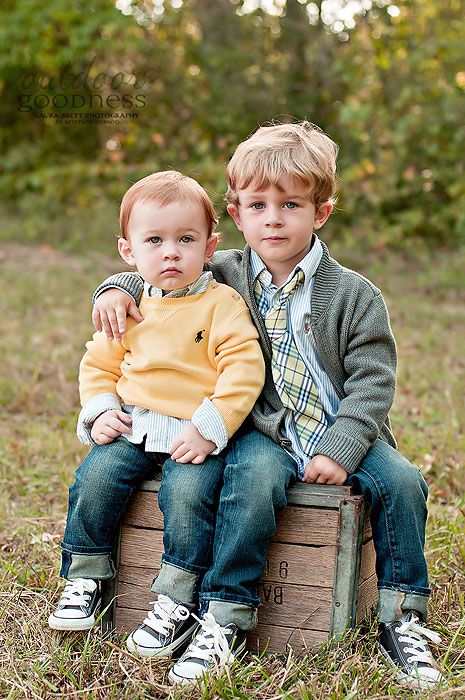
(404, 121)
(387, 83)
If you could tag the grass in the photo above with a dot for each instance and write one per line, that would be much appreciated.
(45, 297)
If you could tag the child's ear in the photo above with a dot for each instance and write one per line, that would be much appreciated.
(211, 246)
(233, 212)
(124, 249)
(322, 214)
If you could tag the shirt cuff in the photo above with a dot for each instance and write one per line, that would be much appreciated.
(210, 424)
(91, 411)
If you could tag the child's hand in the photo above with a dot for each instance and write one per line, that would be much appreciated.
(110, 425)
(190, 446)
(324, 470)
(110, 311)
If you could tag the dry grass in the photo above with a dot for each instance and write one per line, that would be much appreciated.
(45, 298)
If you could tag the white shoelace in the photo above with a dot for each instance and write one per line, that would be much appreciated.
(413, 634)
(165, 612)
(212, 638)
(77, 592)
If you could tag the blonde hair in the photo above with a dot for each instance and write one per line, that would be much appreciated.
(302, 151)
(164, 188)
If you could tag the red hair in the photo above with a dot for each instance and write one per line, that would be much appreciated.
(164, 188)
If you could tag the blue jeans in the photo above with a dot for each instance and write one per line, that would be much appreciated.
(397, 494)
(219, 518)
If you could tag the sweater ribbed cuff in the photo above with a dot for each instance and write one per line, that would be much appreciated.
(344, 449)
(91, 411)
(210, 424)
(127, 282)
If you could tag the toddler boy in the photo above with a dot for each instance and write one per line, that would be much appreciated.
(177, 385)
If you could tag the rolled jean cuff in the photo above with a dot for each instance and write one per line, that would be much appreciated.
(392, 604)
(177, 583)
(95, 566)
(226, 612)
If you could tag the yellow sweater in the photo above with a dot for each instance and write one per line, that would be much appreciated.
(186, 349)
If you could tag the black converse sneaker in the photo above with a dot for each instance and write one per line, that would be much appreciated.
(404, 645)
(166, 628)
(212, 648)
(78, 605)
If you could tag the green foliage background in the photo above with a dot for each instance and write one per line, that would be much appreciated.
(388, 86)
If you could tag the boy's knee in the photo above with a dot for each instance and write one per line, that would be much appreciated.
(262, 487)
(186, 485)
(406, 477)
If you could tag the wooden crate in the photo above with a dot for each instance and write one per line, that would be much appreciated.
(320, 574)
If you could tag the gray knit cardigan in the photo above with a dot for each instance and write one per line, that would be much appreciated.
(354, 341)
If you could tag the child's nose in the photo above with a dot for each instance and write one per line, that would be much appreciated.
(171, 252)
(274, 216)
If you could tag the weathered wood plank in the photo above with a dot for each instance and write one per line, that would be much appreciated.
(278, 639)
(368, 561)
(290, 563)
(305, 607)
(367, 532)
(141, 547)
(319, 495)
(367, 596)
(314, 526)
(143, 511)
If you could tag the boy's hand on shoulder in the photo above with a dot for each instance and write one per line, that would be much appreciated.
(110, 425)
(190, 446)
(324, 470)
(110, 311)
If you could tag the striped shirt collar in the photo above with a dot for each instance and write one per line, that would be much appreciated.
(308, 265)
(197, 287)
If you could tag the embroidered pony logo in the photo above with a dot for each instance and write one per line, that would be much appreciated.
(199, 336)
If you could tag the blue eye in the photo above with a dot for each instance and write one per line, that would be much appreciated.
(154, 239)
(258, 206)
(186, 239)
(290, 205)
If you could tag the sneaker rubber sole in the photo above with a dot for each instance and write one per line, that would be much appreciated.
(414, 681)
(73, 624)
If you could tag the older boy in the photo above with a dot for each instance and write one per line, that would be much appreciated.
(331, 361)
(184, 379)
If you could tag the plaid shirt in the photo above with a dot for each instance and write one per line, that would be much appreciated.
(298, 340)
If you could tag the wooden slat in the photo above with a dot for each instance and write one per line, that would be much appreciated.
(319, 495)
(367, 596)
(290, 563)
(314, 526)
(308, 607)
(367, 533)
(367, 565)
(143, 511)
(141, 548)
(298, 488)
(278, 639)
(127, 619)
